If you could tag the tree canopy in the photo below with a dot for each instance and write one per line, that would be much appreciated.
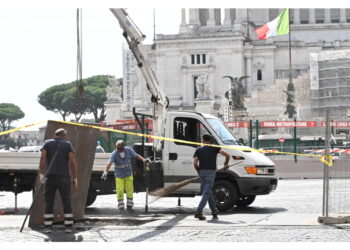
(52, 99)
(63, 98)
(9, 112)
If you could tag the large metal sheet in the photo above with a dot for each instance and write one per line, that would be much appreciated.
(84, 140)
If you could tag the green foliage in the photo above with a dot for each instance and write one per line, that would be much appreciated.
(11, 143)
(8, 113)
(52, 99)
(65, 100)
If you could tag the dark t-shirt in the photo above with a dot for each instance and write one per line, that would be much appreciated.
(60, 165)
(207, 157)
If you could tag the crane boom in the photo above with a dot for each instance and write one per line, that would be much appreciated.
(134, 38)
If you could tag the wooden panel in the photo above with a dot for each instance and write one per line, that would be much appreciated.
(84, 141)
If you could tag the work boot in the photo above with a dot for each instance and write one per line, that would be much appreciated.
(215, 215)
(121, 210)
(69, 229)
(199, 216)
(47, 230)
(129, 209)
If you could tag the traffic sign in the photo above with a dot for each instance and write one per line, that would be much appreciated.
(281, 140)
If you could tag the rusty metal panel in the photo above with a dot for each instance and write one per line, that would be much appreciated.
(84, 141)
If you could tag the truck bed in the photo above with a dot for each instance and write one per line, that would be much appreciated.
(29, 161)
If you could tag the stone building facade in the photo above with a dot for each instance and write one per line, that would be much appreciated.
(213, 43)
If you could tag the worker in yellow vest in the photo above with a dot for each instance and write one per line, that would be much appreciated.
(123, 173)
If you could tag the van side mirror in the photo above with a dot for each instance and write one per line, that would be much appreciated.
(241, 141)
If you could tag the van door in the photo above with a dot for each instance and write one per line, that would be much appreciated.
(181, 154)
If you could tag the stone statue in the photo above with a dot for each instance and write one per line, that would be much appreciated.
(236, 92)
(290, 96)
(202, 86)
(290, 109)
(114, 90)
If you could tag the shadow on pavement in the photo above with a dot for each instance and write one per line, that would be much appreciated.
(154, 211)
(101, 211)
(256, 210)
(222, 222)
(158, 230)
(11, 210)
(59, 235)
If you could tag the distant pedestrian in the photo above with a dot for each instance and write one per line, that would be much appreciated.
(206, 156)
(123, 173)
(58, 177)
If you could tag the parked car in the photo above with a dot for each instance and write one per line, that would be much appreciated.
(30, 149)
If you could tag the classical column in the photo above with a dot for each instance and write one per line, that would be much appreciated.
(185, 87)
(211, 19)
(249, 73)
(211, 84)
(267, 15)
(239, 16)
(194, 16)
(183, 25)
(343, 15)
(238, 27)
(217, 16)
(227, 19)
(327, 15)
(296, 13)
(312, 16)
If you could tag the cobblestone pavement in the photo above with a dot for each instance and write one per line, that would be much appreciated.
(287, 215)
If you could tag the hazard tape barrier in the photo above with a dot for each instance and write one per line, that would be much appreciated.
(327, 159)
(20, 128)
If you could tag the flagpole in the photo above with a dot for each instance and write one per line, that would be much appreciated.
(290, 84)
(291, 87)
(290, 50)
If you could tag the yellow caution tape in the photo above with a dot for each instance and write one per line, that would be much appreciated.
(19, 128)
(189, 142)
(325, 159)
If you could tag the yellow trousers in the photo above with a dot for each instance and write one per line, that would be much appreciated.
(125, 185)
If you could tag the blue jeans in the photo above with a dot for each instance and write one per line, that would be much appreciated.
(207, 178)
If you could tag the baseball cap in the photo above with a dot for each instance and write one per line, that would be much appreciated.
(60, 131)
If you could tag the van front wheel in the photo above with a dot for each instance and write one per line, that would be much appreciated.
(225, 195)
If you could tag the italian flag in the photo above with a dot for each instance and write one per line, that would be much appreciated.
(278, 26)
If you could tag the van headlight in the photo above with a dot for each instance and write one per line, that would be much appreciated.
(259, 170)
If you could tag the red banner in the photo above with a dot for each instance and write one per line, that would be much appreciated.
(338, 124)
(288, 124)
(241, 124)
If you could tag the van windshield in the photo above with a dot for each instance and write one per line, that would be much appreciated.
(224, 133)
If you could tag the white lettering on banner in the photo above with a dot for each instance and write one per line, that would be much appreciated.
(288, 124)
(128, 127)
(270, 124)
(128, 79)
(240, 124)
(336, 124)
